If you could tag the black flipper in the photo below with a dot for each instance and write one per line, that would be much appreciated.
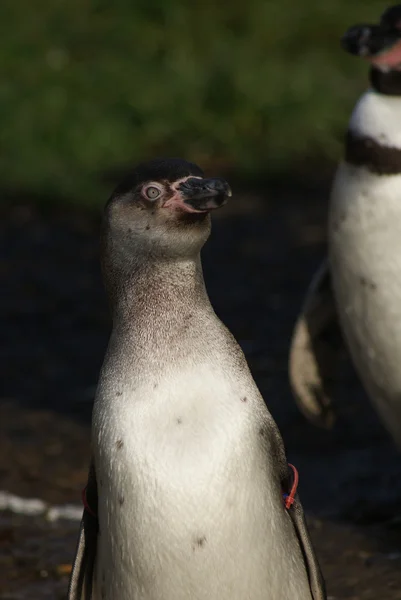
(81, 580)
(315, 349)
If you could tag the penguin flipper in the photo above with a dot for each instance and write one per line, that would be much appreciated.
(288, 476)
(316, 581)
(81, 580)
(314, 349)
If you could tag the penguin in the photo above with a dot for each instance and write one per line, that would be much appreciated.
(356, 294)
(189, 494)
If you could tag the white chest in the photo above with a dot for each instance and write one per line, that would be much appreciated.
(189, 505)
(365, 257)
(378, 116)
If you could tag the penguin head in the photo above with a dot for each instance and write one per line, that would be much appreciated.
(379, 44)
(161, 209)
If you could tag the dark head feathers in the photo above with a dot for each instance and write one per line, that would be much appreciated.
(158, 169)
(391, 18)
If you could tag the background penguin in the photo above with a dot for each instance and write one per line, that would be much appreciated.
(361, 281)
(185, 493)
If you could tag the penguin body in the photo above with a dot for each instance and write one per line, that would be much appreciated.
(190, 467)
(365, 257)
(189, 477)
(364, 239)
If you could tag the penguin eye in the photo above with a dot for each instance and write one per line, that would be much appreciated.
(152, 192)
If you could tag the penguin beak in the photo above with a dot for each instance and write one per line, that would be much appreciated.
(370, 41)
(203, 195)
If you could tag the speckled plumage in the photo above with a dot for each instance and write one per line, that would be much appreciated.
(189, 462)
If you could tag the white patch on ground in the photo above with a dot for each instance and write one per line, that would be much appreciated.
(34, 507)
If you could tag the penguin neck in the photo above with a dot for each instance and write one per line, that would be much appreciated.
(387, 83)
(156, 293)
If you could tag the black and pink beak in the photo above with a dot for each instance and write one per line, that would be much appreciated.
(202, 195)
(378, 43)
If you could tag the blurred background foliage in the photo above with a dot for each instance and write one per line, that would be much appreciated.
(90, 86)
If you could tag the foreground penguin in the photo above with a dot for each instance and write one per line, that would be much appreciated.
(361, 282)
(189, 495)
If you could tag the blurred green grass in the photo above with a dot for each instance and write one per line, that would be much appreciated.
(251, 87)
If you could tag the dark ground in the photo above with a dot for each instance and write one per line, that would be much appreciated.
(55, 324)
